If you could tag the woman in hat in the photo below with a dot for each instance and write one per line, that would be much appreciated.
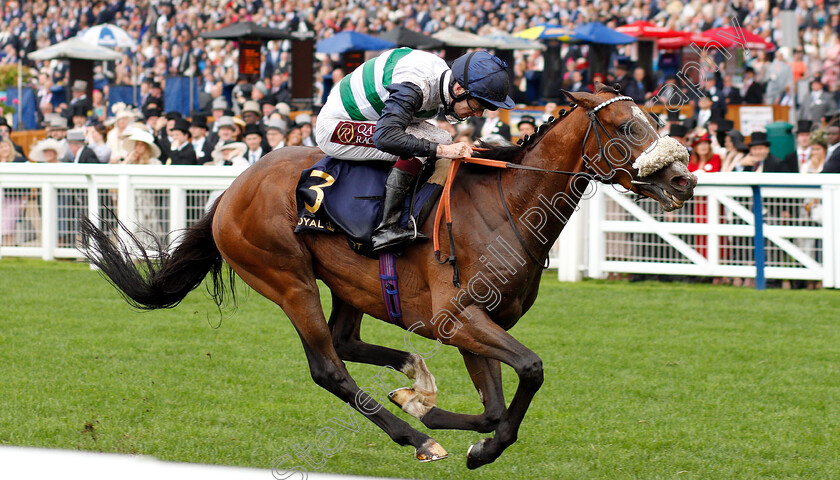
(124, 116)
(48, 150)
(735, 151)
(702, 158)
(816, 157)
(229, 154)
(141, 149)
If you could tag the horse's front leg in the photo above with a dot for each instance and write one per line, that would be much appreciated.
(486, 375)
(478, 334)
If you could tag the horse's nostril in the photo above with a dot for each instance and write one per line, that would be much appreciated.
(680, 181)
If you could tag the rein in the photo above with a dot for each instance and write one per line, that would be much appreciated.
(446, 210)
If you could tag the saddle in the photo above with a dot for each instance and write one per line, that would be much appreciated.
(337, 196)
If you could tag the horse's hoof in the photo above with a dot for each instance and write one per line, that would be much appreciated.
(430, 451)
(401, 396)
(410, 402)
(474, 455)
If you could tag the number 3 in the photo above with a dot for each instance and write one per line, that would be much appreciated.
(319, 193)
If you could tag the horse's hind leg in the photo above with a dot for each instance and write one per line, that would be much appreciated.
(299, 298)
(345, 325)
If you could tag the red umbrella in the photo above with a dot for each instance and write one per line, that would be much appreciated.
(739, 37)
(701, 41)
(642, 29)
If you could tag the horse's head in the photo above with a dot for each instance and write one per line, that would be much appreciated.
(622, 146)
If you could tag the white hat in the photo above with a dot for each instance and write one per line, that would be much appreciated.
(220, 103)
(226, 121)
(37, 153)
(80, 85)
(138, 135)
(276, 124)
(240, 148)
(303, 118)
(76, 135)
(283, 108)
(251, 106)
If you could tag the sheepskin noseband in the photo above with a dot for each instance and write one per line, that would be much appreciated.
(664, 152)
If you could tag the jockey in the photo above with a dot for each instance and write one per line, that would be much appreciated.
(380, 112)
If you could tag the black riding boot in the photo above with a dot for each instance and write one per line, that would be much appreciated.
(388, 234)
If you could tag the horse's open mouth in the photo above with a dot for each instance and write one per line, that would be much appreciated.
(666, 199)
(671, 186)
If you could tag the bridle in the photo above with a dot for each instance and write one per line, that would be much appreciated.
(594, 125)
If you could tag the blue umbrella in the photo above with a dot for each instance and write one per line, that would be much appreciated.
(594, 32)
(352, 41)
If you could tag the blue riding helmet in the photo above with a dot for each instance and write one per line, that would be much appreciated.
(484, 78)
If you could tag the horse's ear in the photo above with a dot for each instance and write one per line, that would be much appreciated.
(601, 88)
(584, 99)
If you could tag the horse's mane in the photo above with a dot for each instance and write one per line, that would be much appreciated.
(514, 153)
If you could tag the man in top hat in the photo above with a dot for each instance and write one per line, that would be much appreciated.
(752, 91)
(816, 104)
(678, 133)
(267, 108)
(622, 74)
(79, 97)
(251, 113)
(78, 115)
(527, 125)
(155, 98)
(79, 151)
(761, 160)
(202, 146)
(803, 145)
(254, 139)
(57, 130)
(704, 112)
(226, 130)
(275, 133)
(181, 151)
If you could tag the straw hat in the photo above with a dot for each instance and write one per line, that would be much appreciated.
(37, 153)
(240, 148)
(138, 135)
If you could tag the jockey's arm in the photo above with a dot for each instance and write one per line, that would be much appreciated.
(389, 136)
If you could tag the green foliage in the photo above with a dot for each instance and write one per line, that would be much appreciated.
(645, 380)
(9, 76)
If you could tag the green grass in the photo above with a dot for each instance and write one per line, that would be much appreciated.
(644, 380)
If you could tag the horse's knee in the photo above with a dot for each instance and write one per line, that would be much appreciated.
(328, 377)
(489, 422)
(530, 372)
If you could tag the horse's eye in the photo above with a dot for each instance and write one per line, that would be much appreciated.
(624, 128)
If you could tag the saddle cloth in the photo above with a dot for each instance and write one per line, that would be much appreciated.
(336, 196)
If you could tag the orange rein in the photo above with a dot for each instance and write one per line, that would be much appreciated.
(445, 195)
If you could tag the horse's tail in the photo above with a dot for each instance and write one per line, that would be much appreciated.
(163, 279)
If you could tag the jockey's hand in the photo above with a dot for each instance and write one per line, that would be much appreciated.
(455, 150)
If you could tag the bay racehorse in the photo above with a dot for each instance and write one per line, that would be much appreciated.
(251, 228)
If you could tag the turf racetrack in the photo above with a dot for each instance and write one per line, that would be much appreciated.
(642, 380)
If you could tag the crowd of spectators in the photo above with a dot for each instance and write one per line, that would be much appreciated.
(168, 45)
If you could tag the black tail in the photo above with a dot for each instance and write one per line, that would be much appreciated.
(168, 277)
